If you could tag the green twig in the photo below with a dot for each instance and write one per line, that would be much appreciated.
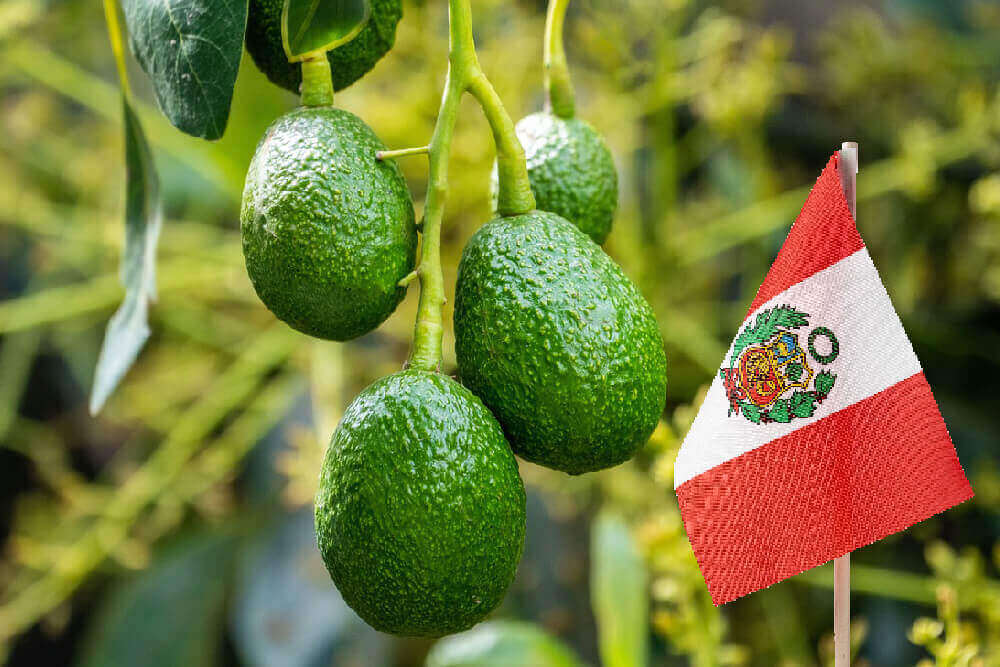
(558, 85)
(402, 152)
(464, 74)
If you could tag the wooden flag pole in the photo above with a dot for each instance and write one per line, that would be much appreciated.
(848, 168)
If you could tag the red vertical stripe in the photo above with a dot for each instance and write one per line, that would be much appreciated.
(823, 234)
(840, 483)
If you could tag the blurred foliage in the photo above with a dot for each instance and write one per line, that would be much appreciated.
(719, 114)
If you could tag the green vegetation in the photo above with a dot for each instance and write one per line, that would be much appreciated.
(420, 510)
(558, 342)
(348, 62)
(328, 230)
(719, 117)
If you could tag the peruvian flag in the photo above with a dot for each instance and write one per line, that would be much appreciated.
(819, 434)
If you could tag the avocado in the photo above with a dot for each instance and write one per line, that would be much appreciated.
(571, 171)
(420, 513)
(328, 230)
(348, 62)
(502, 644)
(558, 343)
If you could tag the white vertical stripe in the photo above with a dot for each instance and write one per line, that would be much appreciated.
(847, 298)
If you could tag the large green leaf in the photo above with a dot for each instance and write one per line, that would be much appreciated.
(501, 644)
(315, 26)
(191, 50)
(619, 589)
(171, 614)
(128, 329)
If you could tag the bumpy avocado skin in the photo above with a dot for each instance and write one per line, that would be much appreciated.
(328, 230)
(571, 171)
(558, 343)
(420, 513)
(348, 62)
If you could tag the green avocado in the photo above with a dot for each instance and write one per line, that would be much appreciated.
(420, 513)
(558, 343)
(348, 62)
(328, 230)
(571, 171)
(502, 644)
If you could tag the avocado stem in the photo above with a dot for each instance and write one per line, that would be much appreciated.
(558, 86)
(401, 152)
(515, 197)
(317, 84)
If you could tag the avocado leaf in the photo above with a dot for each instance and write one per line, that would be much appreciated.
(170, 614)
(128, 329)
(191, 50)
(315, 26)
(619, 587)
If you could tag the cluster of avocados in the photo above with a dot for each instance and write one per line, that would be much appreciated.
(420, 513)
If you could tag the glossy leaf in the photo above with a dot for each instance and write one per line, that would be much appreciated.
(191, 50)
(500, 644)
(128, 329)
(316, 26)
(171, 614)
(619, 590)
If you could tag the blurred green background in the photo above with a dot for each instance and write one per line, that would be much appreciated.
(175, 528)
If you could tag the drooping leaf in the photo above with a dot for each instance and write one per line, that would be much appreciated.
(171, 614)
(313, 26)
(191, 50)
(128, 329)
(619, 589)
(501, 644)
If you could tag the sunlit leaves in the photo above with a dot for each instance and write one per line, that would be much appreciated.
(315, 26)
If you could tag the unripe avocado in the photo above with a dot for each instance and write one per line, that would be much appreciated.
(420, 510)
(502, 644)
(348, 62)
(558, 343)
(328, 230)
(571, 171)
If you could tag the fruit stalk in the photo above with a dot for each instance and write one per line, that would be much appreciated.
(558, 86)
(317, 84)
(515, 197)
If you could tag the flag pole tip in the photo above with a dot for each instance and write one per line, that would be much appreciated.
(851, 148)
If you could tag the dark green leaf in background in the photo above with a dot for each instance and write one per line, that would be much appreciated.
(311, 26)
(169, 615)
(619, 587)
(129, 327)
(191, 50)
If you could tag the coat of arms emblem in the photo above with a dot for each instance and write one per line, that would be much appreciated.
(771, 375)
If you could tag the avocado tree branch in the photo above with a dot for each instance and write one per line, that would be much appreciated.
(402, 152)
(464, 74)
(557, 82)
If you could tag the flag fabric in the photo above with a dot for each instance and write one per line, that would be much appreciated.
(819, 435)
